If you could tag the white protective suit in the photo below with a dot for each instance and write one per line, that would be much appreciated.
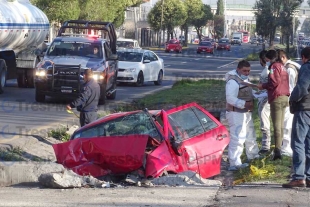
(264, 113)
(288, 117)
(240, 125)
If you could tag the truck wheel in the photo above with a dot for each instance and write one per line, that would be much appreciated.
(2, 75)
(112, 96)
(39, 97)
(103, 94)
(159, 78)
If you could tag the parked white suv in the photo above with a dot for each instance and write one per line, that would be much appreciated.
(127, 43)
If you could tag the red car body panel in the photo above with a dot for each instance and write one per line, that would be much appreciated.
(103, 155)
(173, 46)
(116, 154)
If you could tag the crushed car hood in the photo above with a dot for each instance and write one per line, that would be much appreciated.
(76, 60)
(101, 156)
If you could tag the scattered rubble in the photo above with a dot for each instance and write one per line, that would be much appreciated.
(69, 179)
(186, 178)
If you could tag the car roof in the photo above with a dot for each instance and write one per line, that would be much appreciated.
(126, 39)
(133, 50)
(81, 39)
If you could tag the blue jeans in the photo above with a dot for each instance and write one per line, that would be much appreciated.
(301, 145)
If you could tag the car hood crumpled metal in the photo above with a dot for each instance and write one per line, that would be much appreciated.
(101, 156)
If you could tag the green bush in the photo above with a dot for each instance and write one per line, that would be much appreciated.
(60, 134)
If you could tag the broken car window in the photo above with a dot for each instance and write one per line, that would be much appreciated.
(135, 123)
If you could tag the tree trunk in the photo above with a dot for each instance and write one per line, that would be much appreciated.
(186, 36)
(288, 44)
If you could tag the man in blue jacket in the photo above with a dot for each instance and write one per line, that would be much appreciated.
(87, 102)
(300, 107)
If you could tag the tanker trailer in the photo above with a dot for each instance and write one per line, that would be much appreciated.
(23, 29)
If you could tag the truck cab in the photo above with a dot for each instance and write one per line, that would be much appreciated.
(60, 73)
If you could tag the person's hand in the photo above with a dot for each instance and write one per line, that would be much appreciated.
(260, 86)
(68, 107)
(248, 105)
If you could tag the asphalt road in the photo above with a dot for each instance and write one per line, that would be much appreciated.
(22, 116)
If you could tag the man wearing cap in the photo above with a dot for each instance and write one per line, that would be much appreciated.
(87, 102)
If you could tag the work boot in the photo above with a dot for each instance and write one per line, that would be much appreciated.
(263, 151)
(294, 184)
(276, 154)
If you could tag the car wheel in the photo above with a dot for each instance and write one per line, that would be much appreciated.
(140, 79)
(112, 96)
(167, 51)
(103, 94)
(198, 52)
(38, 96)
(2, 75)
(159, 78)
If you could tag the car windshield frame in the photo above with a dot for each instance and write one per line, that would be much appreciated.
(129, 124)
(124, 44)
(74, 48)
(223, 41)
(205, 43)
(130, 56)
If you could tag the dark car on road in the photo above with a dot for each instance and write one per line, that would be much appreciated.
(236, 41)
(205, 46)
(224, 44)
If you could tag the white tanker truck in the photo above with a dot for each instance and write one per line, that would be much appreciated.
(23, 29)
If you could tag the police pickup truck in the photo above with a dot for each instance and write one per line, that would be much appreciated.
(79, 45)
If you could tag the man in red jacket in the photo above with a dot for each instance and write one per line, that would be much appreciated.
(278, 93)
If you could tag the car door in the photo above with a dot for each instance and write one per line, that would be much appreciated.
(202, 139)
(155, 66)
(147, 66)
(111, 68)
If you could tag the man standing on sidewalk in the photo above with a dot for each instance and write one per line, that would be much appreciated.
(239, 105)
(300, 106)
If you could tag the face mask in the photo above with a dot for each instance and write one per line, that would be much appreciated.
(267, 64)
(244, 77)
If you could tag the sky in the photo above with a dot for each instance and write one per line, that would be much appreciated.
(213, 2)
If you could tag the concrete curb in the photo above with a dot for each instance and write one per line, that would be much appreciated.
(13, 173)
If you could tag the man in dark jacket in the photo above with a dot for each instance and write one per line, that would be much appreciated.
(87, 102)
(278, 93)
(300, 143)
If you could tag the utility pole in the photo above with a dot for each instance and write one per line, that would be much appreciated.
(225, 26)
(161, 21)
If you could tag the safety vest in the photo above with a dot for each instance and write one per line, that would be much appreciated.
(245, 93)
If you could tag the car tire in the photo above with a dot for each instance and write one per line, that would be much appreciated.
(140, 79)
(2, 75)
(198, 52)
(103, 91)
(38, 96)
(167, 51)
(159, 78)
(113, 95)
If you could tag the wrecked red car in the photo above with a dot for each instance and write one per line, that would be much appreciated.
(153, 142)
